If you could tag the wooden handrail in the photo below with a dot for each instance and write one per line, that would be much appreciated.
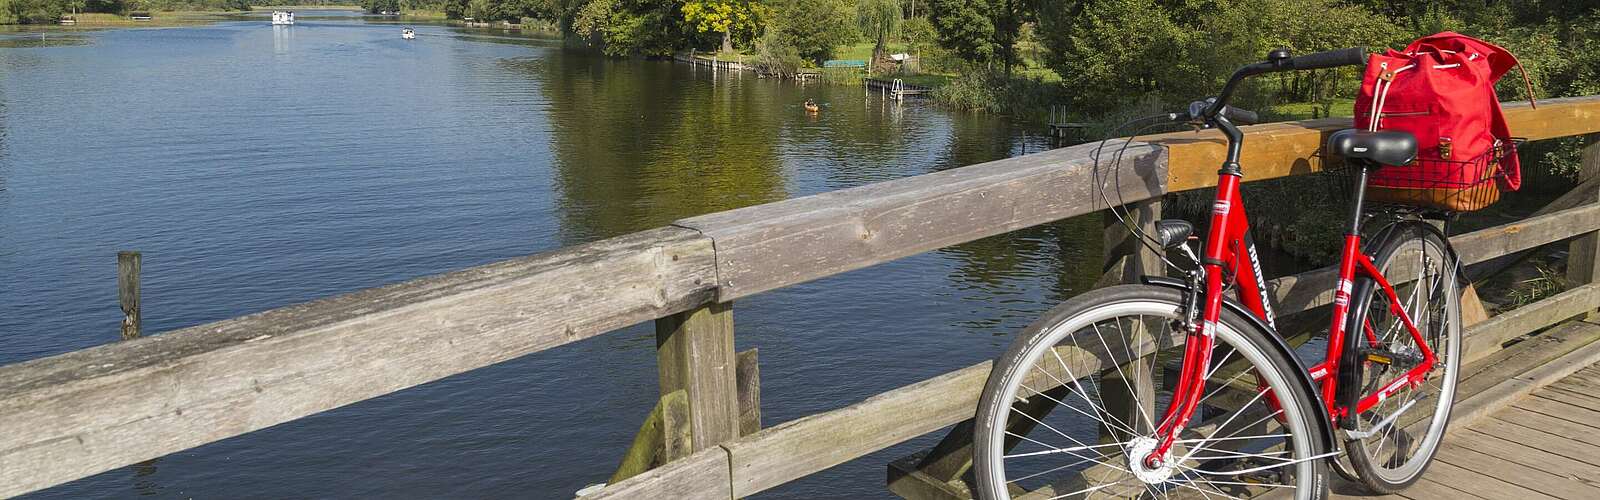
(89, 411)
(80, 413)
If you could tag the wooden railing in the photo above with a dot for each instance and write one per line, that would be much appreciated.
(85, 412)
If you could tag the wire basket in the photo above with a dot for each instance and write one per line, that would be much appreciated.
(1449, 185)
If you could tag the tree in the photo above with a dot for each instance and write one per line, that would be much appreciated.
(376, 6)
(983, 31)
(813, 28)
(878, 19)
(725, 17)
(35, 11)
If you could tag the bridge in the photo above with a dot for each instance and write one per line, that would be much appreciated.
(1526, 384)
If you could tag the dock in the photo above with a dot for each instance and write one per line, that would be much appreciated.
(895, 89)
(1524, 423)
(712, 64)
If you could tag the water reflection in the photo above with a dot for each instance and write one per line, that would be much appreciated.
(633, 153)
(282, 39)
(368, 161)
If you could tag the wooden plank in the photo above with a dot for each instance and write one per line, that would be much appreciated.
(1486, 485)
(1583, 253)
(1580, 400)
(128, 264)
(1509, 363)
(89, 411)
(694, 351)
(1532, 456)
(748, 373)
(1312, 289)
(1505, 432)
(701, 476)
(1504, 469)
(1485, 338)
(1426, 489)
(1577, 388)
(1289, 148)
(1564, 411)
(1540, 421)
(797, 448)
(793, 241)
(1485, 244)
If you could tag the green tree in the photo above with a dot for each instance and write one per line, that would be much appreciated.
(376, 6)
(35, 11)
(878, 19)
(983, 31)
(624, 27)
(814, 28)
(725, 17)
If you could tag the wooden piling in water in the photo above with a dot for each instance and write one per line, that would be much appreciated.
(128, 293)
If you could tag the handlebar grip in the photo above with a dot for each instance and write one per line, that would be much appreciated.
(1243, 116)
(1354, 56)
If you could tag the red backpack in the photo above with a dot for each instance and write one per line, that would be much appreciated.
(1441, 89)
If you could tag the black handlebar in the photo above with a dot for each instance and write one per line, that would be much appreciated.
(1354, 56)
(1241, 115)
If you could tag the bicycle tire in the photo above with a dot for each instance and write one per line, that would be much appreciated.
(1142, 305)
(1410, 238)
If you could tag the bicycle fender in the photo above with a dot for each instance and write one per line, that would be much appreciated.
(1301, 373)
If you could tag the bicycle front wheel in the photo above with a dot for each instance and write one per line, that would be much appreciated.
(1069, 410)
(1396, 439)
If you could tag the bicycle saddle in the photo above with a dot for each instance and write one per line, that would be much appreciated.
(1388, 147)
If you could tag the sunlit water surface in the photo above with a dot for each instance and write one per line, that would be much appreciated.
(259, 166)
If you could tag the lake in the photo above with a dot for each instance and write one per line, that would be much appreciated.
(258, 166)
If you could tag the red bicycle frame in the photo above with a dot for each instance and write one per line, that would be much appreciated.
(1229, 251)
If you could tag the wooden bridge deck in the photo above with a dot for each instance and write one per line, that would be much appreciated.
(1544, 444)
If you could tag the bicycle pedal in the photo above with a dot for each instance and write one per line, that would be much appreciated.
(1389, 358)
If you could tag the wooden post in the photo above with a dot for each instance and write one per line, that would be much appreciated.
(694, 350)
(748, 376)
(128, 293)
(1129, 391)
(1583, 254)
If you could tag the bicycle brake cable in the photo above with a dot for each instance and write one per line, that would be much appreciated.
(1100, 181)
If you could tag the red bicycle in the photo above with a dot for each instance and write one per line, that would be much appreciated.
(1183, 387)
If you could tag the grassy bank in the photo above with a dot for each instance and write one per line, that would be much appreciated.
(157, 19)
(269, 8)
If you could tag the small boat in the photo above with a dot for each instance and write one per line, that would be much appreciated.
(408, 33)
(282, 18)
(812, 107)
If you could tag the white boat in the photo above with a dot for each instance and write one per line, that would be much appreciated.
(282, 18)
(408, 33)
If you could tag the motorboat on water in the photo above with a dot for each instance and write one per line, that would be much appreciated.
(282, 17)
(408, 33)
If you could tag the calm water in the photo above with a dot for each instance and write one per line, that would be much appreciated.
(257, 167)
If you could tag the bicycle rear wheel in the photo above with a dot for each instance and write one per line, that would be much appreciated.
(1420, 266)
(1069, 409)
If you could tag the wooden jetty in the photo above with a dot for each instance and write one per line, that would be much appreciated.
(714, 64)
(1060, 125)
(896, 89)
(69, 416)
